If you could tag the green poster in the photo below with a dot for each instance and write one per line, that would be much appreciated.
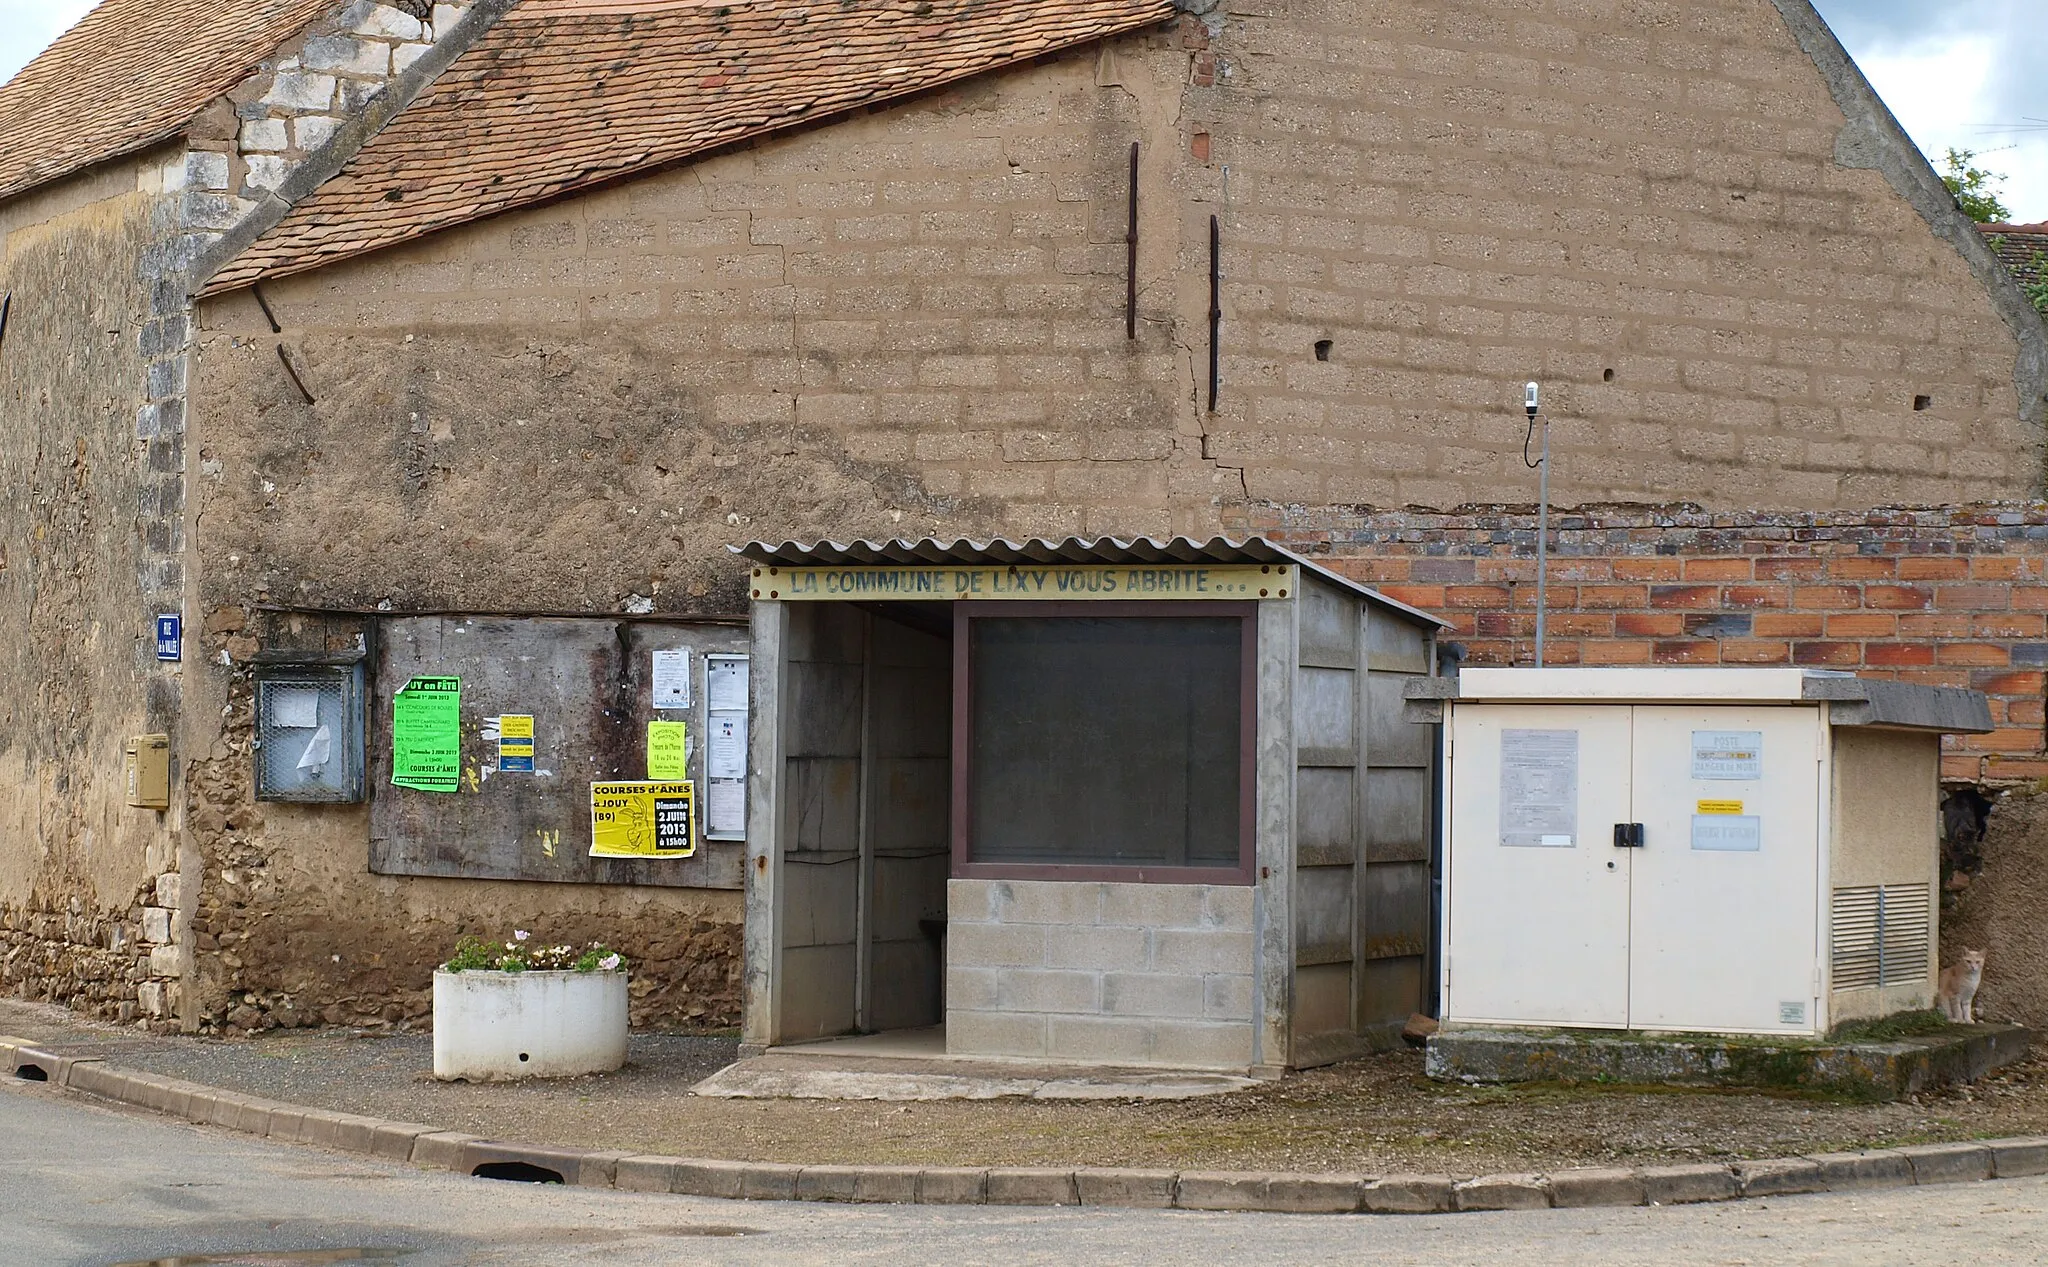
(426, 735)
(665, 751)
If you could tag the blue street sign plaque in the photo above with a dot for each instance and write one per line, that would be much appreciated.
(170, 637)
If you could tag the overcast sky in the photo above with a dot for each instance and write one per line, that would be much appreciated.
(1954, 72)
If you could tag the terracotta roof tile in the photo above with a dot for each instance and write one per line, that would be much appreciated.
(129, 74)
(2023, 247)
(565, 94)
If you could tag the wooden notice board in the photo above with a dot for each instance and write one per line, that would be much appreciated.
(587, 686)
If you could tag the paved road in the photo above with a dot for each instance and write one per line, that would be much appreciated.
(88, 1185)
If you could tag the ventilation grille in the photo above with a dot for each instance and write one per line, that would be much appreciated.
(1880, 935)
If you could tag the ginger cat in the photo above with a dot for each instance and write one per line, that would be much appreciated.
(1958, 994)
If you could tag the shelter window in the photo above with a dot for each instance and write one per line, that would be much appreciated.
(1104, 740)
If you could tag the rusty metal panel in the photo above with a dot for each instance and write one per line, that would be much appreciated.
(1324, 813)
(1395, 644)
(1329, 626)
(587, 683)
(1324, 727)
(1390, 991)
(1322, 914)
(1391, 741)
(1394, 920)
(1397, 815)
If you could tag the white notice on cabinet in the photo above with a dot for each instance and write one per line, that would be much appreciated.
(1727, 754)
(295, 707)
(725, 682)
(672, 678)
(727, 756)
(1727, 833)
(725, 809)
(1539, 788)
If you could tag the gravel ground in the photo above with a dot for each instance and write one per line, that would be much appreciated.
(1378, 1115)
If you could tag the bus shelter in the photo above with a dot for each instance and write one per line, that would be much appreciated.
(1121, 802)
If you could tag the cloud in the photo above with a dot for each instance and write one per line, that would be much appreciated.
(28, 26)
(1961, 75)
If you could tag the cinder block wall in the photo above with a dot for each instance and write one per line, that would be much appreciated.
(1124, 973)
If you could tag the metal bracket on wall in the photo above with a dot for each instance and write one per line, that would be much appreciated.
(283, 357)
(1215, 308)
(1131, 255)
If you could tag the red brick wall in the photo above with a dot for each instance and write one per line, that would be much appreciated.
(1950, 596)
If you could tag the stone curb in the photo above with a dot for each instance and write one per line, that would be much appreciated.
(1243, 1191)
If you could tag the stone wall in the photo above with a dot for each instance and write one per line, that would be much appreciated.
(1116, 973)
(78, 867)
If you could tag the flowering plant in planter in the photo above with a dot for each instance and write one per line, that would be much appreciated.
(524, 954)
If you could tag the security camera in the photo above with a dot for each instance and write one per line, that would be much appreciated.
(1529, 399)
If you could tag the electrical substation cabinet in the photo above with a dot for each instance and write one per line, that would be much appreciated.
(1743, 851)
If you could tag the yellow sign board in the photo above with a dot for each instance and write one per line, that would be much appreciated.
(643, 819)
(1069, 581)
(1718, 807)
(666, 749)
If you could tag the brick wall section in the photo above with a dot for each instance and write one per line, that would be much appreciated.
(1950, 596)
(1125, 973)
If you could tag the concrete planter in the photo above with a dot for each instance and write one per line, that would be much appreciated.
(500, 1026)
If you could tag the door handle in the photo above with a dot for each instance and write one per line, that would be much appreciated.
(1628, 835)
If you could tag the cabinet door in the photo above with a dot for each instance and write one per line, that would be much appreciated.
(1725, 886)
(1538, 896)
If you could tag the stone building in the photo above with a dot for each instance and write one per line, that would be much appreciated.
(340, 327)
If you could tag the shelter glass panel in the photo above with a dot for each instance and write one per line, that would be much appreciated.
(1107, 741)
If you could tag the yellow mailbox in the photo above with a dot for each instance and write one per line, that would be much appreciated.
(149, 771)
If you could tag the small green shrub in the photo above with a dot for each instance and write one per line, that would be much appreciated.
(526, 954)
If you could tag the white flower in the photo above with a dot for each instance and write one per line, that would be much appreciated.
(520, 934)
(609, 963)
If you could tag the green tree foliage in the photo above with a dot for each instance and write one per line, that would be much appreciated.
(1975, 189)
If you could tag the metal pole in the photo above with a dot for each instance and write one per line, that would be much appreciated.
(1542, 536)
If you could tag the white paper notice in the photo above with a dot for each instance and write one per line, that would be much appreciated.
(727, 755)
(1728, 833)
(672, 678)
(318, 751)
(296, 707)
(725, 683)
(725, 808)
(1727, 754)
(1539, 788)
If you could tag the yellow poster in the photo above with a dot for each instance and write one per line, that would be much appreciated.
(1719, 807)
(515, 743)
(666, 750)
(639, 819)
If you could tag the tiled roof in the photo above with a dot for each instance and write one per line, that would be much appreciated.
(565, 94)
(129, 74)
(2023, 247)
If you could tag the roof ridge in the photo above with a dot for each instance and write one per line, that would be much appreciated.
(497, 132)
(130, 74)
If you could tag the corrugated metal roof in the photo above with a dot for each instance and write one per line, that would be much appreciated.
(965, 551)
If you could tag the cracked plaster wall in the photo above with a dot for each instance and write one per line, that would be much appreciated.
(81, 920)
